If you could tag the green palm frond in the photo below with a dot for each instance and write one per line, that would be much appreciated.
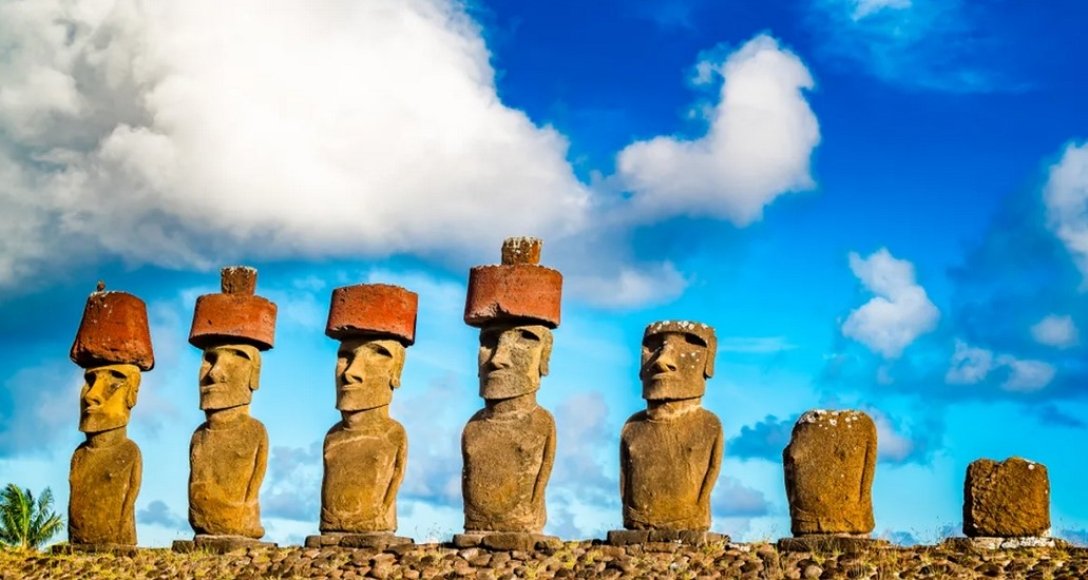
(24, 522)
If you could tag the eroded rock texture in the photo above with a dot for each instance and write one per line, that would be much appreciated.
(1006, 499)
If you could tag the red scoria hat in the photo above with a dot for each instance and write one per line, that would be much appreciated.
(373, 309)
(234, 315)
(517, 289)
(113, 330)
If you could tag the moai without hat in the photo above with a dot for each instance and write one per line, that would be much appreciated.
(113, 345)
(1006, 504)
(366, 452)
(228, 453)
(829, 466)
(671, 453)
(508, 447)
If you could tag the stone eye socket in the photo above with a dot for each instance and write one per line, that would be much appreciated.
(489, 339)
(529, 336)
(694, 340)
(381, 350)
(211, 357)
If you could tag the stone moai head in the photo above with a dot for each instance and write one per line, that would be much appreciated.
(113, 344)
(677, 359)
(232, 328)
(516, 306)
(375, 323)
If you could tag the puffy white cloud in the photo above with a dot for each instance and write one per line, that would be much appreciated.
(1056, 331)
(630, 285)
(893, 446)
(863, 8)
(757, 147)
(898, 314)
(1066, 198)
(969, 364)
(1026, 376)
(172, 133)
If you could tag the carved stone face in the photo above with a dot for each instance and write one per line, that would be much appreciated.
(109, 393)
(228, 376)
(512, 359)
(367, 371)
(674, 366)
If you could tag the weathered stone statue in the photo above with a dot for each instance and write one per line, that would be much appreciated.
(1006, 505)
(113, 345)
(229, 452)
(671, 453)
(508, 447)
(365, 453)
(829, 466)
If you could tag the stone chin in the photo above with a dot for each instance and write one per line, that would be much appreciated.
(360, 397)
(665, 388)
(95, 421)
(499, 385)
(221, 396)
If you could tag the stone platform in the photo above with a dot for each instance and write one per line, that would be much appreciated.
(843, 544)
(688, 537)
(506, 541)
(374, 540)
(117, 549)
(219, 544)
(982, 544)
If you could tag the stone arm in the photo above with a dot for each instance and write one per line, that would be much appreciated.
(713, 469)
(399, 464)
(135, 479)
(260, 464)
(868, 467)
(625, 459)
(546, 464)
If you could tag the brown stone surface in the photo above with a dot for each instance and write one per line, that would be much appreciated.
(364, 459)
(104, 481)
(506, 541)
(113, 330)
(987, 543)
(235, 315)
(516, 290)
(1006, 499)
(671, 453)
(227, 461)
(372, 540)
(116, 549)
(688, 537)
(829, 466)
(823, 543)
(215, 544)
(369, 309)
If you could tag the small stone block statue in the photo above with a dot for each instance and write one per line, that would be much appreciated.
(228, 453)
(508, 447)
(671, 453)
(113, 345)
(829, 466)
(365, 454)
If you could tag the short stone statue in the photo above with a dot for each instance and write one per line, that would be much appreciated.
(228, 454)
(508, 447)
(829, 466)
(113, 345)
(671, 453)
(365, 454)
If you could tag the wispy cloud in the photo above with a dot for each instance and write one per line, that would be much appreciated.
(899, 312)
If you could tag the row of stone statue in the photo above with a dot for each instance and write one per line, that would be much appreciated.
(670, 453)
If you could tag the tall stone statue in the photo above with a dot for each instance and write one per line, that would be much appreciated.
(671, 453)
(508, 447)
(829, 466)
(113, 345)
(229, 451)
(365, 453)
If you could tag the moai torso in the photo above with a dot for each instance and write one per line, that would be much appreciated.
(668, 470)
(363, 468)
(829, 466)
(226, 467)
(104, 483)
(507, 462)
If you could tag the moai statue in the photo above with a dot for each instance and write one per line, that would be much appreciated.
(829, 466)
(671, 453)
(1006, 505)
(508, 447)
(113, 345)
(229, 451)
(365, 453)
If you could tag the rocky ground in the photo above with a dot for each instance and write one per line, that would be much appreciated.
(572, 560)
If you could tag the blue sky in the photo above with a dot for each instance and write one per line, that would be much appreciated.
(879, 204)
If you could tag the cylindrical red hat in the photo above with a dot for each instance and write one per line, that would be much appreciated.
(114, 330)
(369, 309)
(518, 289)
(236, 314)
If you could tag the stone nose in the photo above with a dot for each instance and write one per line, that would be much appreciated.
(665, 358)
(355, 371)
(501, 357)
(96, 392)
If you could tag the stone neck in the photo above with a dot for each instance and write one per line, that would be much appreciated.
(670, 410)
(364, 417)
(513, 406)
(226, 418)
(104, 439)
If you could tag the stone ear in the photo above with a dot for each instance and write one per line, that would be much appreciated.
(545, 352)
(711, 352)
(133, 389)
(255, 371)
(398, 367)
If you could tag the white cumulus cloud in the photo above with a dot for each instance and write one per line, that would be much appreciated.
(1057, 331)
(757, 147)
(181, 132)
(1025, 376)
(899, 312)
(969, 364)
(1066, 198)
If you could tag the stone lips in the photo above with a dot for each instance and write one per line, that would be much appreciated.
(113, 330)
(224, 318)
(1006, 499)
(366, 309)
(513, 292)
